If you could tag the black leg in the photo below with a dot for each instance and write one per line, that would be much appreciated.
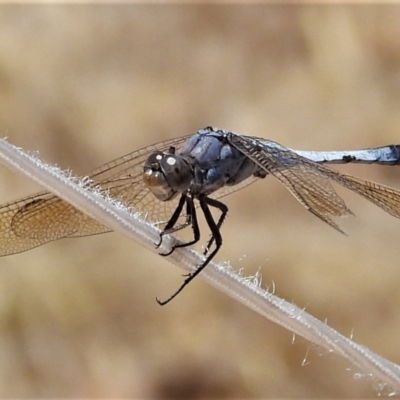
(172, 221)
(205, 202)
(170, 228)
(224, 211)
(191, 210)
(191, 219)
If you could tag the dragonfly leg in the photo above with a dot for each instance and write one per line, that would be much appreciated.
(191, 219)
(224, 211)
(205, 203)
(172, 221)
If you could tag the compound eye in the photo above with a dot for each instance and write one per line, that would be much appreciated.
(166, 175)
(153, 160)
(177, 172)
(154, 177)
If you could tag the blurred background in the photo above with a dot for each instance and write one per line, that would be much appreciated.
(82, 85)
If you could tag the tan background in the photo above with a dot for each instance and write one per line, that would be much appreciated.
(86, 84)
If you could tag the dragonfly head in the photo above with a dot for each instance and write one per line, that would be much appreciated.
(166, 175)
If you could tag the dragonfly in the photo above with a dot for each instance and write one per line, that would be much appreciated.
(169, 181)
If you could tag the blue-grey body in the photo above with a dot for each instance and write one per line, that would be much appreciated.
(216, 162)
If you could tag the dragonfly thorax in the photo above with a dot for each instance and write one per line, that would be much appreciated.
(166, 175)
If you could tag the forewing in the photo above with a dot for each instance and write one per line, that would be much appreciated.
(305, 179)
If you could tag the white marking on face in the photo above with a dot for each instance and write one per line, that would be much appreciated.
(171, 161)
(158, 157)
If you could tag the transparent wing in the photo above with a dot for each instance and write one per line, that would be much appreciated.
(43, 217)
(309, 181)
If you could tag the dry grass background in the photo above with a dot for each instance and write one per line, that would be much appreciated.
(86, 84)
